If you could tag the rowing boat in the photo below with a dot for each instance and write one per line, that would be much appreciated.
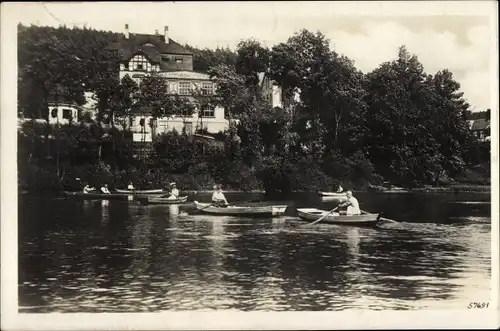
(274, 210)
(155, 191)
(96, 195)
(161, 201)
(332, 194)
(312, 214)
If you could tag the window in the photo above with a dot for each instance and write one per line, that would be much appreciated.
(126, 66)
(178, 60)
(207, 88)
(67, 114)
(208, 112)
(185, 88)
(139, 66)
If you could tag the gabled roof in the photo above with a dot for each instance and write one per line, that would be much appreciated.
(477, 115)
(480, 124)
(137, 43)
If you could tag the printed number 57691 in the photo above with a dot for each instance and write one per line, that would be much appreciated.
(479, 305)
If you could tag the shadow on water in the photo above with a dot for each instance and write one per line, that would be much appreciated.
(118, 256)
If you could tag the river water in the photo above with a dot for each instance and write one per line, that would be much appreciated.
(119, 256)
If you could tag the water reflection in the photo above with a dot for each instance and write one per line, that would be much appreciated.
(104, 211)
(89, 256)
(173, 210)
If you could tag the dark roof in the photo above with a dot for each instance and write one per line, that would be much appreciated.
(477, 115)
(480, 124)
(135, 43)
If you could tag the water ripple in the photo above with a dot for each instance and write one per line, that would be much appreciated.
(125, 258)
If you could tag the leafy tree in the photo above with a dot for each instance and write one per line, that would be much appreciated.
(123, 100)
(417, 121)
(205, 59)
(252, 58)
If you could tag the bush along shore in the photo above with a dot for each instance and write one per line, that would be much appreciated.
(336, 125)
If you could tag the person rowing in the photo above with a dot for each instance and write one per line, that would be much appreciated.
(352, 205)
(130, 186)
(174, 192)
(87, 189)
(218, 198)
(105, 190)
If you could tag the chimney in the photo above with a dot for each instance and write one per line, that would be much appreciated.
(166, 35)
(127, 35)
(156, 32)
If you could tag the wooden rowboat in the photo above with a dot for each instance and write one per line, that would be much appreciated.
(275, 210)
(312, 214)
(332, 194)
(161, 201)
(155, 191)
(96, 195)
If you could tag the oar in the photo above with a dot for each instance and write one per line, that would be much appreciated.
(198, 210)
(387, 219)
(382, 218)
(321, 218)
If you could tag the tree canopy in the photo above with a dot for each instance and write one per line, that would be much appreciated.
(335, 123)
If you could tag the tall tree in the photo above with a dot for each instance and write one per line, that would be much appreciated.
(122, 100)
(417, 121)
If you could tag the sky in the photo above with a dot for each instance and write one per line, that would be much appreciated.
(457, 37)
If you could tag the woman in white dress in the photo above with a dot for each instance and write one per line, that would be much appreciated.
(218, 198)
(174, 192)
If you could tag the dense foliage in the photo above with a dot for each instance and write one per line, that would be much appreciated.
(336, 124)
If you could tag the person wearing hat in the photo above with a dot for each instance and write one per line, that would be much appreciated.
(218, 198)
(174, 192)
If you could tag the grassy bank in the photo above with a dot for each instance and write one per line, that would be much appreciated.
(455, 188)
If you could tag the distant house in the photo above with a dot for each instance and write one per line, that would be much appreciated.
(481, 129)
(272, 91)
(479, 124)
(64, 113)
(142, 54)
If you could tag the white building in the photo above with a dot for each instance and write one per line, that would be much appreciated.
(142, 54)
(272, 91)
(63, 113)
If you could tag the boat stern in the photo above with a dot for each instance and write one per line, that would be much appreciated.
(278, 210)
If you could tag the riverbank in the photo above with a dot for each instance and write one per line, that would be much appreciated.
(455, 188)
(460, 188)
